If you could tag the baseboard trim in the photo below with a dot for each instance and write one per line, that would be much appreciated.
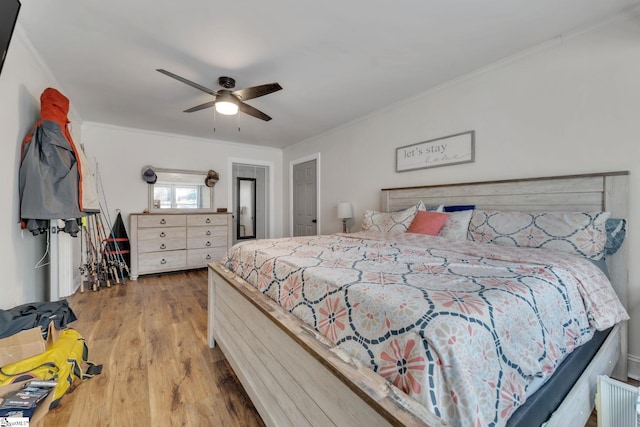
(633, 367)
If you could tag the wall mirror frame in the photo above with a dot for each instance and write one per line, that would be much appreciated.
(246, 209)
(180, 191)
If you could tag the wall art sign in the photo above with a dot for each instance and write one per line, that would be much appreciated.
(445, 151)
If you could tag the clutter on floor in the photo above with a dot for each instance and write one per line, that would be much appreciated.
(40, 358)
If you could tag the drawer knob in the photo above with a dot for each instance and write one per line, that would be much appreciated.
(163, 221)
(164, 261)
(163, 246)
(208, 232)
(208, 257)
(208, 244)
(162, 234)
(208, 220)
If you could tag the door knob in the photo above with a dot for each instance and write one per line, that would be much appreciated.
(314, 221)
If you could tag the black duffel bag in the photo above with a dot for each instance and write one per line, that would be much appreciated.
(34, 314)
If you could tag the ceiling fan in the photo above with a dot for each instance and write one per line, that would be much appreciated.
(227, 101)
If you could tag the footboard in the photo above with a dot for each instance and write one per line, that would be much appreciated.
(291, 373)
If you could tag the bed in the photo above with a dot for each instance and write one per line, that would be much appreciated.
(296, 376)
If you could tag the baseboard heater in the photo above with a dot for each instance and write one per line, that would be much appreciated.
(617, 403)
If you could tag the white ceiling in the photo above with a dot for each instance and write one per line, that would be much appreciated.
(336, 60)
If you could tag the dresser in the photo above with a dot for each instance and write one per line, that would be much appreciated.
(169, 242)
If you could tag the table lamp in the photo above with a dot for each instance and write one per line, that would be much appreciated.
(345, 212)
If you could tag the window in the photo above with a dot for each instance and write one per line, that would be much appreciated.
(177, 196)
(178, 190)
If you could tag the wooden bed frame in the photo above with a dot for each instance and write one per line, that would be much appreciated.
(295, 377)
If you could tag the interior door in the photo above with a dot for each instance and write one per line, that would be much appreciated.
(304, 199)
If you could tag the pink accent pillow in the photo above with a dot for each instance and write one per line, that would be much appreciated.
(428, 222)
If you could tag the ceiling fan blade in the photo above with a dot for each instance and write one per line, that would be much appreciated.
(189, 82)
(256, 91)
(248, 109)
(200, 107)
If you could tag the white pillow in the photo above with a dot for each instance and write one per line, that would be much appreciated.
(581, 233)
(457, 225)
(391, 222)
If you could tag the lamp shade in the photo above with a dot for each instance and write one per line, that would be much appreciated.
(344, 210)
(226, 104)
(226, 108)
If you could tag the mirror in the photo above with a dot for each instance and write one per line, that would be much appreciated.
(178, 190)
(246, 208)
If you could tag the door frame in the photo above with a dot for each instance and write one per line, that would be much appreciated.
(270, 169)
(292, 163)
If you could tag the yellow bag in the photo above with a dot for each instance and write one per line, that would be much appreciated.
(61, 362)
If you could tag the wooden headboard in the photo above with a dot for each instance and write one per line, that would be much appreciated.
(590, 192)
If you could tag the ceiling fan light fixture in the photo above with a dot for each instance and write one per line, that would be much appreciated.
(225, 104)
(227, 108)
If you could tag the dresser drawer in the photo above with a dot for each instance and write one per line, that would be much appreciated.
(206, 232)
(162, 221)
(161, 245)
(206, 242)
(161, 234)
(206, 219)
(161, 239)
(160, 261)
(202, 257)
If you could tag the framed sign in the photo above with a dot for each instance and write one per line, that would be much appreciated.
(445, 151)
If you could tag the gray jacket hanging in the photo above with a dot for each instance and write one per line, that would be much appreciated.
(55, 182)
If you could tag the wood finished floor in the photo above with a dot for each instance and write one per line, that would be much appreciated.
(150, 336)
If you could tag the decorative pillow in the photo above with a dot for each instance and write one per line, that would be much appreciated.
(391, 222)
(581, 233)
(427, 222)
(616, 232)
(435, 208)
(456, 208)
(457, 225)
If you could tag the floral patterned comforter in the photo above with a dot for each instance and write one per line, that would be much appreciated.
(462, 327)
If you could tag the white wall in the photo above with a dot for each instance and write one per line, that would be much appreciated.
(24, 77)
(121, 153)
(571, 107)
